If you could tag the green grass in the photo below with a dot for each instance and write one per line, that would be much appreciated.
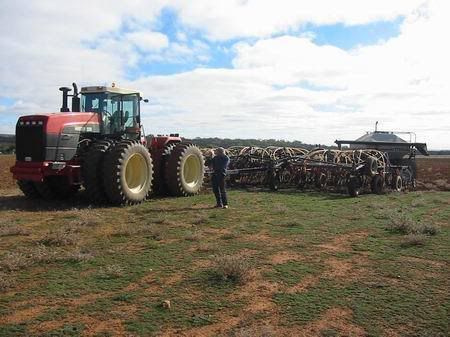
(166, 249)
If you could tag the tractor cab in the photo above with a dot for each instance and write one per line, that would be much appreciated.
(119, 109)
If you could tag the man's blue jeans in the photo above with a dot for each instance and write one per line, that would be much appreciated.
(218, 185)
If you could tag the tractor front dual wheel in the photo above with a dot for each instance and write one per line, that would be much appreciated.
(127, 173)
(52, 187)
(184, 170)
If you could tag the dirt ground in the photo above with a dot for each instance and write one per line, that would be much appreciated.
(274, 264)
(433, 171)
(6, 181)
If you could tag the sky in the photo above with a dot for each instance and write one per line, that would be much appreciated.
(313, 71)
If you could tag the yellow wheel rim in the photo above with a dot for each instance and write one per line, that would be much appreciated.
(136, 172)
(192, 170)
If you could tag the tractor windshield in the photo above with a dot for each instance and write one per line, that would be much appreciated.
(118, 111)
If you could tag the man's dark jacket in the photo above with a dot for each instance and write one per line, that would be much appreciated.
(220, 164)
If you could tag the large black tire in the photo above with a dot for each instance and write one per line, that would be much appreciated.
(56, 187)
(92, 171)
(397, 183)
(377, 184)
(274, 181)
(353, 186)
(185, 170)
(128, 173)
(371, 166)
(28, 189)
(321, 180)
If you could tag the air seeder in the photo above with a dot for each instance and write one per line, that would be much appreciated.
(100, 144)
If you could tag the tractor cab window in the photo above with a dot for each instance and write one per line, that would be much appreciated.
(118, 111)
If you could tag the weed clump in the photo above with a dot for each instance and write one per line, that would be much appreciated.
(13, 261)
(232, 268)
(404, 224)
(415, 233)
(411, 240)
(43, 254)
(60, 237)
(78, 256)
(111, 271)
(6, 282)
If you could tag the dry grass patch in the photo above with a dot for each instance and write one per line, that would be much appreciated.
(411, 240)
(86, 218)
(12, 229)
(111, 271)
(6, 282)
(157, 233)
(403, 223)
(253, 331)
(234, 268)
(60, 237)
(193, 235)
(13, 261)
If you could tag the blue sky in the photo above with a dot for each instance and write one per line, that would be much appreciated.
(312, 71)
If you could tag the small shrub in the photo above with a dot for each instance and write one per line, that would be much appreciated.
(428, 229)
(14, 261)
(404, 224)
(290, 223)
(229, 236)
(6, 282)
(413, 240)
(60, 237)
(400, 223)
(419, 202)
(234, 268)
(193, 236)
(78, 256)
(206, 247)
(43, 254)
(111, 271)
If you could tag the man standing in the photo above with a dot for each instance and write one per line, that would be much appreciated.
(219, 165)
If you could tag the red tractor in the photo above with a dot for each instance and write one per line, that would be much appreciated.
(100, 145)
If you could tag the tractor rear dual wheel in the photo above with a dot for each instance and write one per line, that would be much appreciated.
(377, 184)
(127, 173)
(185, 170)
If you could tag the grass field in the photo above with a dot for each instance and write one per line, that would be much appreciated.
(274, 264)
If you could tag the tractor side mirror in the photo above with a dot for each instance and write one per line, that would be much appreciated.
(146, 100)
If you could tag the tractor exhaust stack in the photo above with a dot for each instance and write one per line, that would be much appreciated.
(65, 91)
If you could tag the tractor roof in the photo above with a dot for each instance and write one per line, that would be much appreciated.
(114, 90)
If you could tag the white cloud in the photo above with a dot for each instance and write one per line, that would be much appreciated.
(225, 19)
(148, 41)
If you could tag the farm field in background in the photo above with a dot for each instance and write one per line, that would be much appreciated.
(274, 264)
